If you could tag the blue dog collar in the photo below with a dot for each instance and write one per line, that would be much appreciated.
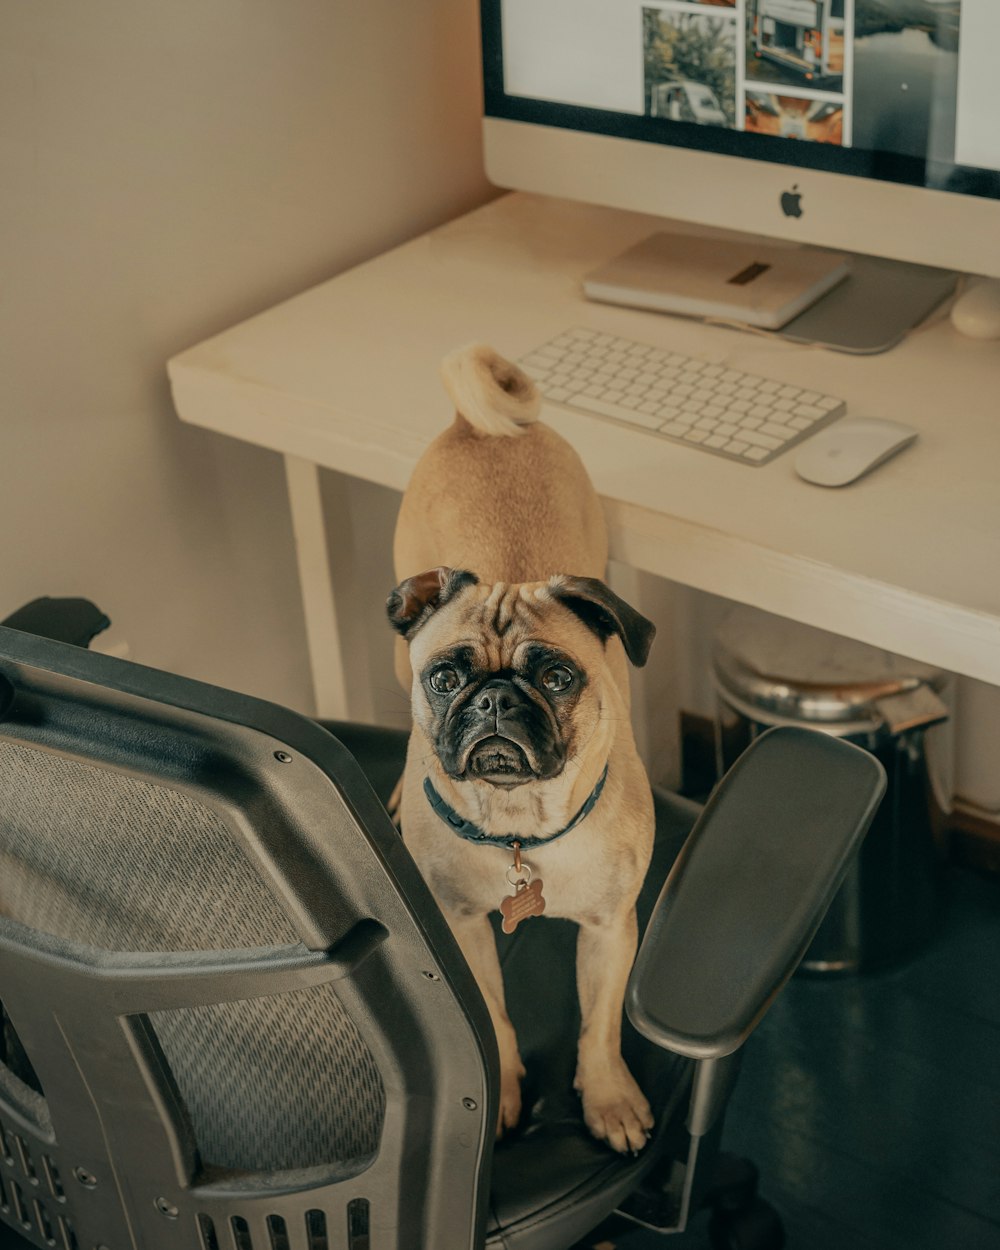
(472, 833)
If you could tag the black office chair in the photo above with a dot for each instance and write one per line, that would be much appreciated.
(234, 1018)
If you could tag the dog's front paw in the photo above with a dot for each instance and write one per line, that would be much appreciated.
(614, 1107)
(510, 1099)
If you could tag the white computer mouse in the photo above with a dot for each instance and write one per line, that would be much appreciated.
(849, 448)
(976, 312)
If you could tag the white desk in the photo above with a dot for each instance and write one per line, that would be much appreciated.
(345, 376)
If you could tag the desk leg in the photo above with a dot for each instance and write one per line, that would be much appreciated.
(324, 634)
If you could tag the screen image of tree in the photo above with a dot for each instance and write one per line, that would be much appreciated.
(689, 62)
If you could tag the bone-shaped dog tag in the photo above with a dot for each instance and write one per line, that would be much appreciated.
(526, 901)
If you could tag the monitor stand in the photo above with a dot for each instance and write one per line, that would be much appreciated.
(869, 311)
(874, 308)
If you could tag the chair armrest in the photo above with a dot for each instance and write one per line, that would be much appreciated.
(749, 889)
(77, 621)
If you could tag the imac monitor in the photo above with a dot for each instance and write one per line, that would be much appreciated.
(871, 126)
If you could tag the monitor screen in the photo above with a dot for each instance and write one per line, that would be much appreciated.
(903, 91)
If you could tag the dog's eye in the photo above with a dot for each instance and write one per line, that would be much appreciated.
(444, 679)
(557, 678)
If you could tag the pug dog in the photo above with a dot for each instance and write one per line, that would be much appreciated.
(522, 767)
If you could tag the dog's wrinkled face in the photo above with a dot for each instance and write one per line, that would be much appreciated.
(510, 680)
(504, 717)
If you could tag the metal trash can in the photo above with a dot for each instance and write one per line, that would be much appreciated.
(769, 671)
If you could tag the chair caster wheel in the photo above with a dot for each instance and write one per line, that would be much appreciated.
(755, 1227)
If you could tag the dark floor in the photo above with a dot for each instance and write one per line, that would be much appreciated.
(872, 1105)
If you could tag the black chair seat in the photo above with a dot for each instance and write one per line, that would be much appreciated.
(550, 1171)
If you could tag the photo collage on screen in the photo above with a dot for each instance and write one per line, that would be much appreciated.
(877, 74)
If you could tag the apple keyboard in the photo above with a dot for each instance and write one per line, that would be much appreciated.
(730, 413)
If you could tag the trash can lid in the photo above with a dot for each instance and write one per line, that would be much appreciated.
(809, 674)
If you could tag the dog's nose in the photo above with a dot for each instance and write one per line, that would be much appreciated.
(497, 697)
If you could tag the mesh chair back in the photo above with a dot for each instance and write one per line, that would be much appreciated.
(232, 1014)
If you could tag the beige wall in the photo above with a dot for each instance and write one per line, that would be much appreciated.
(167, 169)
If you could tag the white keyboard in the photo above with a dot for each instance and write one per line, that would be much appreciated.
(737, 415)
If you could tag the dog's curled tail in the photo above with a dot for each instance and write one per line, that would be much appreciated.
(493, 395)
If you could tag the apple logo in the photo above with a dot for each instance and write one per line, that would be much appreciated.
(791, 202)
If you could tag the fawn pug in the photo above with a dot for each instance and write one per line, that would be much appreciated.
(522, 758)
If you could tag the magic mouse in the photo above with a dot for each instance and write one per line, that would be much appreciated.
(849, 448)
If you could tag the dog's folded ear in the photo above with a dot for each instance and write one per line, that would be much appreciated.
(414, 599)
(605, 613)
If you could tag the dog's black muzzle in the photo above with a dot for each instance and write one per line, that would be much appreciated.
(504, 736)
